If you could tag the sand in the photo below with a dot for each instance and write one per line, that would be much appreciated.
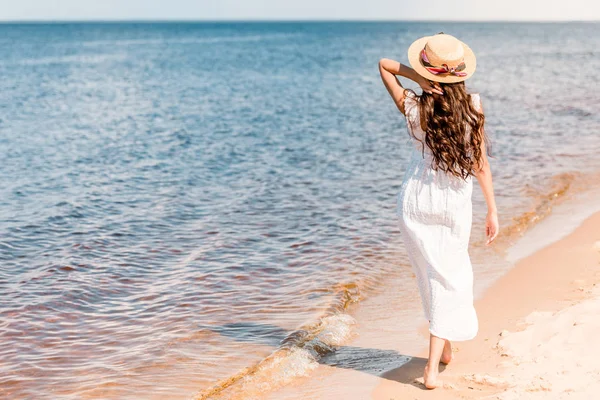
(537, 328)
(538, 323)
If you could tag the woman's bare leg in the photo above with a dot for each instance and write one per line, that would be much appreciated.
(447, 355)
(436, 348)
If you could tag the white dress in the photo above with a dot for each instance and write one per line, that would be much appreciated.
(435, 213)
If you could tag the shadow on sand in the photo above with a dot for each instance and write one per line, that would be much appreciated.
(386, 364)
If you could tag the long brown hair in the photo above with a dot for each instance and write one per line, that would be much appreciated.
(454, 130)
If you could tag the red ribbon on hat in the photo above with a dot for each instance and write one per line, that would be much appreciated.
(444, 69)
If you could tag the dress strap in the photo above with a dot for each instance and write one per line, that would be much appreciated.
(476, 101)
(410, 102)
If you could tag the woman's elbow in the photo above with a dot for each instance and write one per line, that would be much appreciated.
(383, 62)
(483, 169)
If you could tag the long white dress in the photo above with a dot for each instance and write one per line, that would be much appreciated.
(435, 213)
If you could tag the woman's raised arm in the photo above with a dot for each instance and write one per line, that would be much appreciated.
(388, 69)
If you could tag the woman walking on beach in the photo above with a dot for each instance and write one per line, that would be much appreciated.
(446, 125)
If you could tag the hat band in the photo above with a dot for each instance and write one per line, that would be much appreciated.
(444, 68)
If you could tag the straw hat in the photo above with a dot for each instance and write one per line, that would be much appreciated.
(442, 58)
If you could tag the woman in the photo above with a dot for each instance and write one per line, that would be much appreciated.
(434, 203)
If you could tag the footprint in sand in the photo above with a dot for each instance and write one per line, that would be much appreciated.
(487, 380)
(440, 384)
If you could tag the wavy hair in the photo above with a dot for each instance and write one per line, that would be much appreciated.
(454, 130)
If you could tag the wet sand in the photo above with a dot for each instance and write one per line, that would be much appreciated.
(537, 325)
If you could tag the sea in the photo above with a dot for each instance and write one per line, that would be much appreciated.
(194, 210)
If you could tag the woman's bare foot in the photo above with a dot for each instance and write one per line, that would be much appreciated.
(447, 355)
(430, 375)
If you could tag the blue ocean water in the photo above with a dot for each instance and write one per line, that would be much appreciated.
(178, 198)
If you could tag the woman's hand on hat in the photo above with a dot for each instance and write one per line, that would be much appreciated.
(429, 87)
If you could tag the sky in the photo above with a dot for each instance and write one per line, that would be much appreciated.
(536, 10)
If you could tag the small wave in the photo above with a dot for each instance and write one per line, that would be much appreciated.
(545, 198)
(191, 40)
(75, 59)
(297, 355)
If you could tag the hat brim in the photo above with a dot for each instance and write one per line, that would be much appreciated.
(414, 58)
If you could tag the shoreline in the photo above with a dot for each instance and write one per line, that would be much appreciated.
(556, 275)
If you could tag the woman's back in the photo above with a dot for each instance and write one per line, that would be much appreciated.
(414, 122)
(442, 129)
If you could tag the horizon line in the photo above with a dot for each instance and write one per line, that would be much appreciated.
(284, 20)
